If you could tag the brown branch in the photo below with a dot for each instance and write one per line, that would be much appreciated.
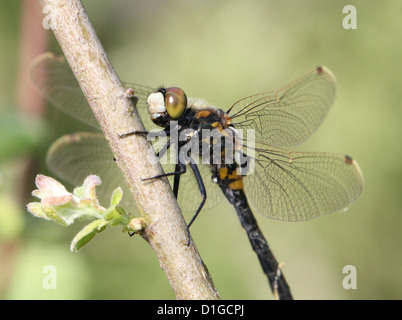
(166, 228)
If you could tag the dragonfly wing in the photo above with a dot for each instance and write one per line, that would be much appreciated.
(297, 186)
(75, 156)
(53, 77)
(288, 116)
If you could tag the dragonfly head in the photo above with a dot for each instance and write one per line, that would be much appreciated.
(167, 103)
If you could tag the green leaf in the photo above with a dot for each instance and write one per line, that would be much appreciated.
(87, 233)
(116, 197)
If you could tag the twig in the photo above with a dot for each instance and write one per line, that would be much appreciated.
(166, 228)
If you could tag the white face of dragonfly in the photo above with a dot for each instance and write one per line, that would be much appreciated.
(156, 105)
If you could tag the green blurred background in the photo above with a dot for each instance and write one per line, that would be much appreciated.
(221, 51)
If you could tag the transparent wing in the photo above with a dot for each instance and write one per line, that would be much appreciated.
(288, 116)
(53, 77)
(75, 156)
(297, 186)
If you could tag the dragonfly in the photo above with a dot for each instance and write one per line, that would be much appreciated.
(253, 166)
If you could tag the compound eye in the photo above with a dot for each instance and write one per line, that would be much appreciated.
(175, 102)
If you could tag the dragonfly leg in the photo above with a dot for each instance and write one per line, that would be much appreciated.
(179, 169)
(163, 150)
(182, 169)
(176, 181)
(151, 134)
(203, 192)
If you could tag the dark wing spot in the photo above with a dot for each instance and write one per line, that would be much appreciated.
(348, 159)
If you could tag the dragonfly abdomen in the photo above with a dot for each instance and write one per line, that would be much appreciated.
(268, 262)
(228, 177)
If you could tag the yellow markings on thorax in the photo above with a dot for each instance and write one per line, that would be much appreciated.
(202, 114)
(217, 125)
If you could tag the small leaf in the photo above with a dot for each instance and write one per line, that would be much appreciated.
(35, 208)
(87, 190)
(87, 233)
(51, 192)
(116, 197)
